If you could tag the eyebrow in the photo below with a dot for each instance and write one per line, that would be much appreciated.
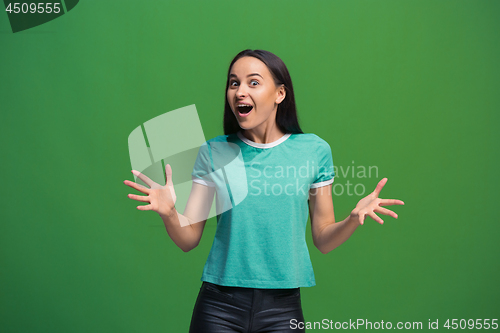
(234, 75)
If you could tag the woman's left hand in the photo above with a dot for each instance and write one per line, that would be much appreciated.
(370, 205)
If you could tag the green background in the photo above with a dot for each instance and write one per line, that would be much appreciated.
(411, 87)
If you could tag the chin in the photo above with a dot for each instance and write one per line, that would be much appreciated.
(245, 126)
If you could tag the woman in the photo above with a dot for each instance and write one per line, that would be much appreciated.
(259, 258)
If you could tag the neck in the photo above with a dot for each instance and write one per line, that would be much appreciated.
(263, 134)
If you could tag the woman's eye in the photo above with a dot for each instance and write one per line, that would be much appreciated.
(232, 83)
(253, 81)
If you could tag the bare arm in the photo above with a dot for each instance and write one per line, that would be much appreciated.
(186, 229)
(327, 234)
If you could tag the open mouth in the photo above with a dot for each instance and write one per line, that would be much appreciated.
(244, 110)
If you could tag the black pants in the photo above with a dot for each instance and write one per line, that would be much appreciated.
(221, 309)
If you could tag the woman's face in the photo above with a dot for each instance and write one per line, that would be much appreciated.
(252, 94)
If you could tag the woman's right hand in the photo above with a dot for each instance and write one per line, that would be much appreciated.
(161, 199)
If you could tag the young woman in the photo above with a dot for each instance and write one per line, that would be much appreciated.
(268, 175)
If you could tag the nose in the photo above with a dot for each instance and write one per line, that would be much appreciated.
(241, 92)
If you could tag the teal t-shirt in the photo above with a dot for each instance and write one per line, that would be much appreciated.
(262, 210)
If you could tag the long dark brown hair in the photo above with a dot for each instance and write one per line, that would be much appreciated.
(286, 115)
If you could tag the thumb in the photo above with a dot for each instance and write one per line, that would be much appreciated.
(168, 173)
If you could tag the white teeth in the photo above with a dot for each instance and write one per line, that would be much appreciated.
(243, 105)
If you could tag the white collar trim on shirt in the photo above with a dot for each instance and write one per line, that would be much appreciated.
(263, 145)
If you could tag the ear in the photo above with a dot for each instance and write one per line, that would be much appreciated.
(281, 94)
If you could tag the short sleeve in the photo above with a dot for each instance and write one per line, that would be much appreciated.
(202, 170)
(325, 171)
